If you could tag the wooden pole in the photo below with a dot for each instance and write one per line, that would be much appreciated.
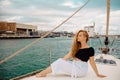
(107, 18)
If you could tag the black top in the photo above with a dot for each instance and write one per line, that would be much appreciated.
(85, 54)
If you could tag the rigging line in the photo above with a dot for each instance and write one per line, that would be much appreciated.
(100, 42)
(113, 41)
(27, 46)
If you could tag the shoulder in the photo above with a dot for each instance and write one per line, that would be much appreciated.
(91, 48)
(92, 52)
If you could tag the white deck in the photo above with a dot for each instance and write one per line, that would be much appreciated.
(112, 72)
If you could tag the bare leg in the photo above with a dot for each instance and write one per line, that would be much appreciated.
(44, 72)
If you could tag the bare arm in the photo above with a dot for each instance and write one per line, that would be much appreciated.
(93, 64)
(67, 56)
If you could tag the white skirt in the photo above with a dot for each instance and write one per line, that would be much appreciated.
(73, 68)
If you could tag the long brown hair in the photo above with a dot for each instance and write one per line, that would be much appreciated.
(76, 45)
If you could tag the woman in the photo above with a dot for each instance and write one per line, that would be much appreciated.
(80, 53)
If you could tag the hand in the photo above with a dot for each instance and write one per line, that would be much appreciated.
(101, 76)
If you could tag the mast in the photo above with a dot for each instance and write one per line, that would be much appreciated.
(107, 18)
(107, 27)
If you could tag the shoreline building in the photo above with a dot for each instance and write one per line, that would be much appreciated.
(90, 30)
(16, 29)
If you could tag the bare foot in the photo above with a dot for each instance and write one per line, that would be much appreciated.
(40, 75)
(44, 72)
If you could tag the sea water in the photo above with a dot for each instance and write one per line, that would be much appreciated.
(38, 57)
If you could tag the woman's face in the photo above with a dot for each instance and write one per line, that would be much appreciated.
(81, 37)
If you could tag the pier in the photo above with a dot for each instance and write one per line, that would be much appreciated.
(19, 37)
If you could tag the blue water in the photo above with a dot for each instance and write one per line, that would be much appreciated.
(36, 57)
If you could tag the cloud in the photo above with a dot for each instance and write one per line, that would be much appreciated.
(5, 3)
(71, 4)
(11, 19)
(113, 23)
(47, 15)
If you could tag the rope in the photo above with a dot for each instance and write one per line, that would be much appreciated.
(27, 46)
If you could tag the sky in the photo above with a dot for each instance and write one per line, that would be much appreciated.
(47, 14)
